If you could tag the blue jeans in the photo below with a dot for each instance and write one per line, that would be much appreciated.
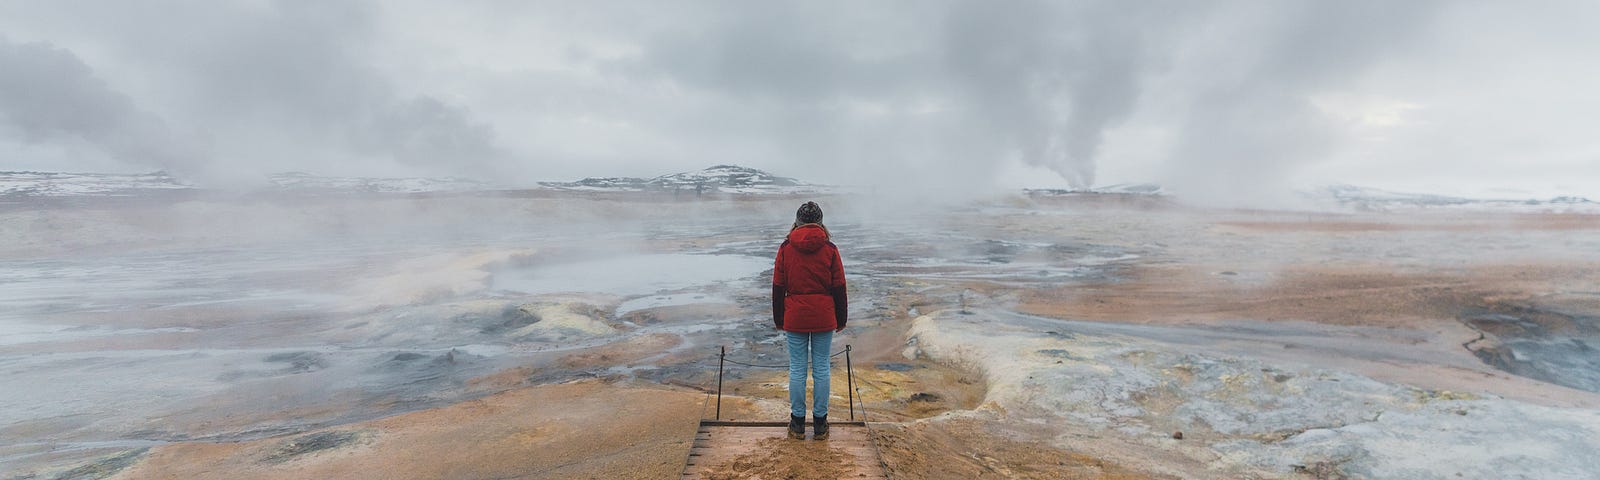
(819, 345)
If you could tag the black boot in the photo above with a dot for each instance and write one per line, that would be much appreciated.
(797, 427)
(820, 430)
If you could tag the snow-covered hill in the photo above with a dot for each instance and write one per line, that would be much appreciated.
(1373, 199)
(726, 179)
(308, 183)
(1118, 189)
(55, 184)
(716, 179)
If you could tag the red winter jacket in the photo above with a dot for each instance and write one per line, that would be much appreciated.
(808, 293)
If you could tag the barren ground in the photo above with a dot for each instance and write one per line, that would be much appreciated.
(1441, 302)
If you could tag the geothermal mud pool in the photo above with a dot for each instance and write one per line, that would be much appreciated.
(576, 336)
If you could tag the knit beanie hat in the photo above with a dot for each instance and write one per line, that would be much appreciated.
(808, 213)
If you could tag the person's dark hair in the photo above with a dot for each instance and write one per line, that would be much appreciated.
(808, 213)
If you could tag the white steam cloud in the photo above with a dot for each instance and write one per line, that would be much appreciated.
(1227, 99)
(48, 95)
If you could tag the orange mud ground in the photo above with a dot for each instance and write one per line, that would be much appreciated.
(578, 430)
(972, 449)
(1378, 295)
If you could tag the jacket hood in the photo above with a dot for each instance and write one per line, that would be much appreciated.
(808, 238)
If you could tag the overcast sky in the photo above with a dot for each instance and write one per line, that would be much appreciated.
(1224, 99)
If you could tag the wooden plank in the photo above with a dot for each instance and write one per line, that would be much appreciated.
(734, 423)
(717, 444)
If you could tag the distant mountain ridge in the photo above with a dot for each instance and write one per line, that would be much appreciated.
(715, 179)
(59, 184)
(726, 179)
(1149, 189)
(306, 182)
(1366, 198)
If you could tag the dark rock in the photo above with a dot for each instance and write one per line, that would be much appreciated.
(1541, 344)
(896, 367)
(924, 397)
(104, 467)
(299, 362)
(1058, 353)
(1177, 435)
(511, 318)
(408, 356)
(315, 442)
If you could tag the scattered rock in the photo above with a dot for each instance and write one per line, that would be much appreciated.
(315, 442)
(1321, 470)
(1424, 395)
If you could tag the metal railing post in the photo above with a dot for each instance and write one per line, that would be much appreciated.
(850, 382)
(720, 357)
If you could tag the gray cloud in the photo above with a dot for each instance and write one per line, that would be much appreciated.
(277, 86)
(1036, 81)
(1041, 82)
(298, 68)
(1228, 101)
(48, 95)
(1249, 125)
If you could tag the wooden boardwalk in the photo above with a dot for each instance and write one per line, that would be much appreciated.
(753, 450)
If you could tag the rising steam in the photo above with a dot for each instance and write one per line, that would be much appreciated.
(1218, 96)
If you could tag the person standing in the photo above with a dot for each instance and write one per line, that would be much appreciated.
(809, 304)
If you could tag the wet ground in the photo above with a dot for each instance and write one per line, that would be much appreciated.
(305, 337)
(1539, 340)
